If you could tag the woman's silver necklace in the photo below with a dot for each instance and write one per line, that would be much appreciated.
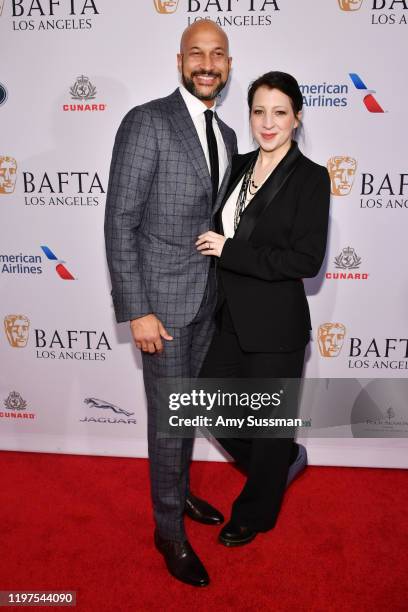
(252, 182)
(252, 185)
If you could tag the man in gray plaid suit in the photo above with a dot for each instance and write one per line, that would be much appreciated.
(168, 175)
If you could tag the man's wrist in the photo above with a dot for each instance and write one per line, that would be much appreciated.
(140, 317)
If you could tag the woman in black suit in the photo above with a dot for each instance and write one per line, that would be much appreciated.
(272, 233)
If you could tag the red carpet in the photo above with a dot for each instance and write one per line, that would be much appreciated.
(84, 523)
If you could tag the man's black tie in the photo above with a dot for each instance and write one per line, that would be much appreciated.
(213, 153)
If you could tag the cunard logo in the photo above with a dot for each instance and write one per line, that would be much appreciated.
(15, 402)
(348, 259)
(84, 91)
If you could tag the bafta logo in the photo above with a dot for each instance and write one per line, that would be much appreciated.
(330, 338)
(1, 7)
(342, 170)
(166, 6)
(350, 5)
(8, 174)
(17, 328)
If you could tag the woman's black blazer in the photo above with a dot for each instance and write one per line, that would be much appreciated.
(281, 239)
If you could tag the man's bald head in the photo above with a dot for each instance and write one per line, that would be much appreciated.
(205, 27)
(203, 60)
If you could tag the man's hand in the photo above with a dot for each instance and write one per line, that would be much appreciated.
(211, 243)
(148, 332)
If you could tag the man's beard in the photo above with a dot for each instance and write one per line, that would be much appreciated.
(189, 85)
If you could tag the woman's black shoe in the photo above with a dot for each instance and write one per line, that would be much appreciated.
(234, 535)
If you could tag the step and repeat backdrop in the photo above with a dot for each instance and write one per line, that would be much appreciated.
(71, 380)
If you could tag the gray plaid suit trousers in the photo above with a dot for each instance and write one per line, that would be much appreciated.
(170, 457)
(158, 201)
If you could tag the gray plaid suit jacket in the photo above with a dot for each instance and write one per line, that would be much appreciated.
(158, 202)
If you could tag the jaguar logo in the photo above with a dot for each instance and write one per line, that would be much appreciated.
(93, 402)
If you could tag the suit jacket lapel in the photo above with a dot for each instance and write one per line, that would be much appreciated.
(235, 172)
(228, 145)
(267, 193)
(226, 136)
(184, 126)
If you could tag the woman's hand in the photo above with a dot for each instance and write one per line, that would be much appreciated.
(211, 243)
